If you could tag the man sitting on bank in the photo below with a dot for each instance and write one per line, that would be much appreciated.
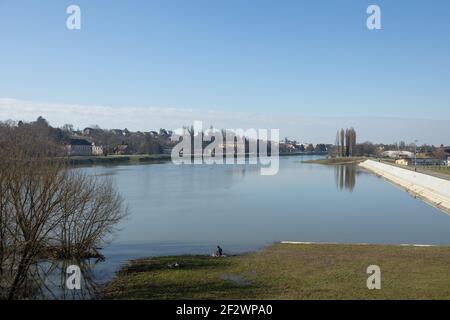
(218, 252)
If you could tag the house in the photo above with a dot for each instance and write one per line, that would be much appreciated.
(79, 147)
(98, 150)
(122, 149)
(290, 147)
(308, 147)
(91, 131)
(404, 162)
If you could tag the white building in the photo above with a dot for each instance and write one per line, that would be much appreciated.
(403, 162)
(398, 154)
(97, 150)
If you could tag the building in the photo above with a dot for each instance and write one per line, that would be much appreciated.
(404, 162)
(308, 147)
(398, 154)
(79, 147)
(429, 162)
(419, 162)
(98, 150)
(122, 149)
(91, 131)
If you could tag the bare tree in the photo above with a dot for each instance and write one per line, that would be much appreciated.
(439, 153)
(47, 209)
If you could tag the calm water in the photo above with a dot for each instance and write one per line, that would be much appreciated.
(191, 209)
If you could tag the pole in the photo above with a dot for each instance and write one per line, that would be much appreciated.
(415, 155)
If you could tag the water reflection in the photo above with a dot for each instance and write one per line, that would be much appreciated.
(345, 177)
(47, 280)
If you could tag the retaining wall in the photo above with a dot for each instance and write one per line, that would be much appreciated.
(431, 189)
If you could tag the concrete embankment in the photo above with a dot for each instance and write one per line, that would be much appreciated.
(432, 190)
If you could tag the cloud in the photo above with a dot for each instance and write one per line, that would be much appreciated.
(305, 129)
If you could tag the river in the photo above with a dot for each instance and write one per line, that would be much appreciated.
(190, 209)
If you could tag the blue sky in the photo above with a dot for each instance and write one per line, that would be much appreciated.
(304, 58)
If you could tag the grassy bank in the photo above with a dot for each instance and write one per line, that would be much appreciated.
(441, 170)
(291, 271)
(332, 161)
(118, 159)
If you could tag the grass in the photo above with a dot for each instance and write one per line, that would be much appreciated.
(442, 172)
(291, 271)
(441, 169)
(343, 160)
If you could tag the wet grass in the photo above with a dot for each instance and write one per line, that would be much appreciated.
(285, 271)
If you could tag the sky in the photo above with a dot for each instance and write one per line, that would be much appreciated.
(305, 67)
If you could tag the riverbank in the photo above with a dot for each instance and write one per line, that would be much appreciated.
(148, 158)
(431, 189)
(117, 159)
(290, 271)
(340, 160)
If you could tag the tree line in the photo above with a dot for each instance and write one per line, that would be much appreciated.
(346, 146)
(151, 142)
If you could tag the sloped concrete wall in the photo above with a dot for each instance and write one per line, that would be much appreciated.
(433, 190)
